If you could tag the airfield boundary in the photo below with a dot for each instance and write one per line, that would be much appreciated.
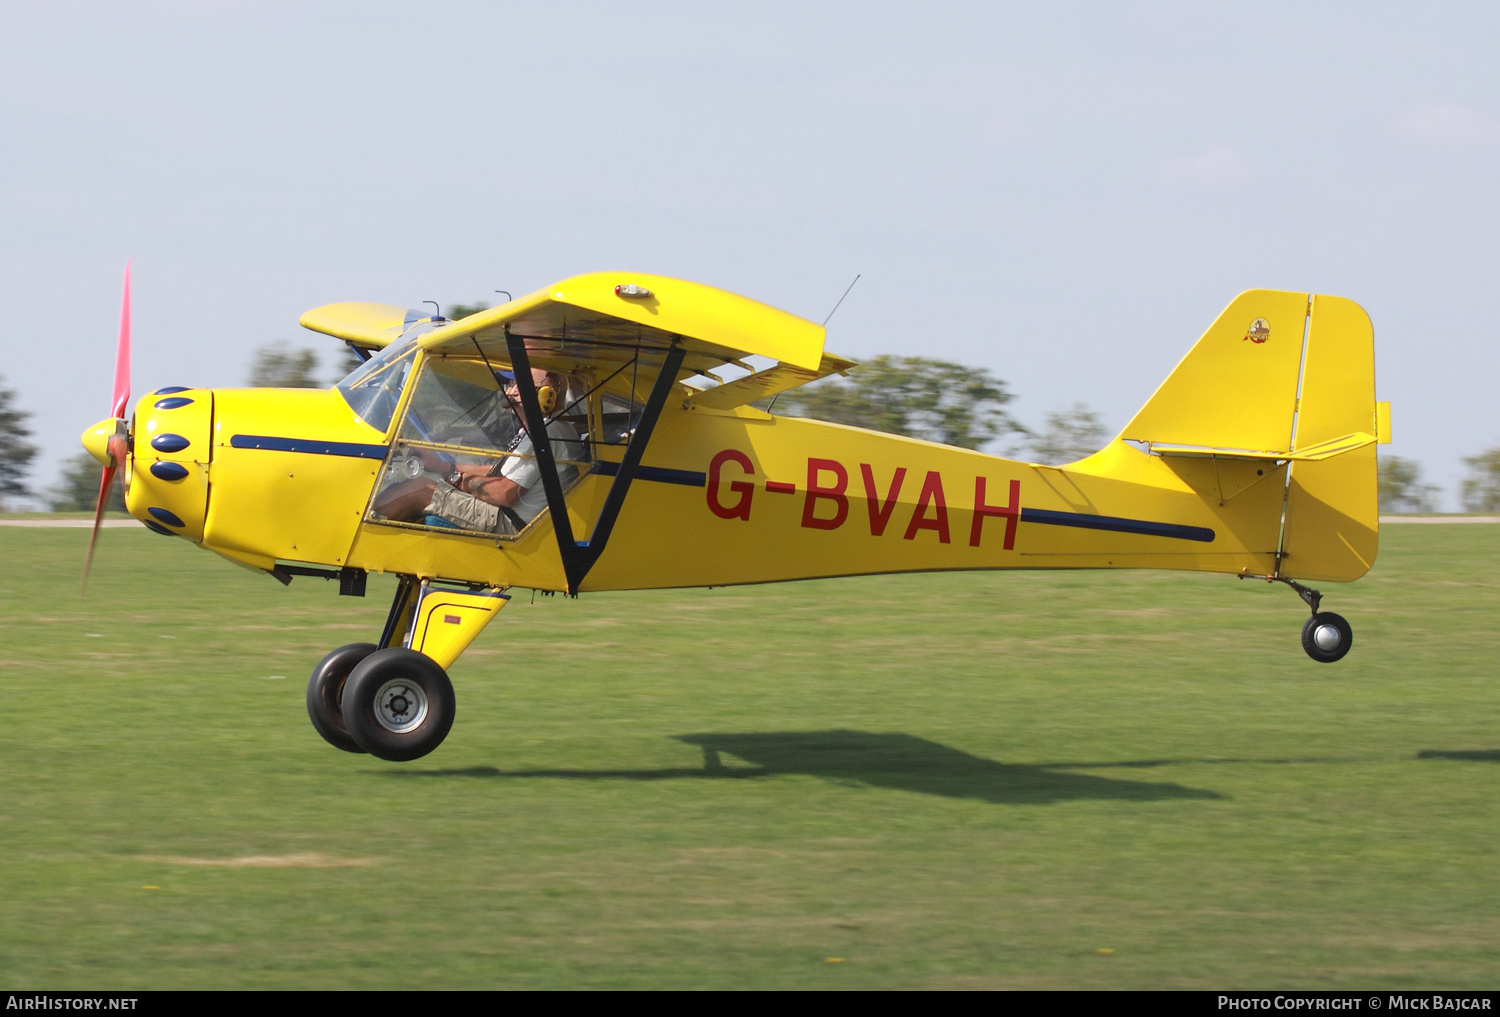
(71, 524)
(1017, 779)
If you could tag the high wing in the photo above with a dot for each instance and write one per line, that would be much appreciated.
(605, 319)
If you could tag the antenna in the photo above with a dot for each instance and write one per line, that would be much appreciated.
(841, 300)
(437, 312)
(508, 297)
(772, 405)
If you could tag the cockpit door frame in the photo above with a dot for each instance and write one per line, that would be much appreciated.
(579, 556)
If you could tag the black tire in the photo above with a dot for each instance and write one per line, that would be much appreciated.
(325, 691)
(1327, 637)
(398, 704)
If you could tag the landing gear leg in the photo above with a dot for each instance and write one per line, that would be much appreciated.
(1325, 636)
(394, 700)
(325, 689)
(389, 700)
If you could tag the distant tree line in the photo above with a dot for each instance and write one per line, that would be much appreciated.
(1481, 488)
(936, 400)
(941, 401)
(1401, 488)
(16, 452)
(277, 365)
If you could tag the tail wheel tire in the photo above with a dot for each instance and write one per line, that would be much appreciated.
(1327, 637)
(398, 704)
(325, 691)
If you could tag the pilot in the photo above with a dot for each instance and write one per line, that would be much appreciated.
(496, 498)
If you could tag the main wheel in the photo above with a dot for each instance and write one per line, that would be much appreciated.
(325, 690)
(398, 704)
(1327, 637)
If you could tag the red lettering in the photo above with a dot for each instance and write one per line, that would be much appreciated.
(835, 494)
(932, 492)
(880, 515)
(1011, 512)
(744, 488)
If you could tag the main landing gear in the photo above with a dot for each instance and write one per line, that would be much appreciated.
(394, 703)
(398, 704)
(394, 700)
(1325, 636)
(325, 694)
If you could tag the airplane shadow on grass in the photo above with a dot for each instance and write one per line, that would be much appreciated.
(899, 761)
(1469, 755)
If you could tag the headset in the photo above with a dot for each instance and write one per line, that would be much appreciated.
(546, 397)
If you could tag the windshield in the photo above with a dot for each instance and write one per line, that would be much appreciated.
(374, 388)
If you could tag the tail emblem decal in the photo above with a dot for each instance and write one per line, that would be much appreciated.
(1259, 331)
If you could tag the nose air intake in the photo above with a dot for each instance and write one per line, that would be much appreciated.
(167, 483)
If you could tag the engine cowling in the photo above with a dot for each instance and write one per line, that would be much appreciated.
(167, 471)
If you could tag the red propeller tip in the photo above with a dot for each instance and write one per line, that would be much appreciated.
(122, 352)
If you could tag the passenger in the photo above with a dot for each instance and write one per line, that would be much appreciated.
(500, 497)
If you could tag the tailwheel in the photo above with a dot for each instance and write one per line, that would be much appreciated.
(398, 704)
(325, 690)
(1327, 637)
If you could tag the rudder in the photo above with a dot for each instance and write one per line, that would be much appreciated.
(1275, 376)
(1331, 528)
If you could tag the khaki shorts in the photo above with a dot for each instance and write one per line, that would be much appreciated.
(468, 512)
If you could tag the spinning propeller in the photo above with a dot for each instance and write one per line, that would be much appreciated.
(108, 441)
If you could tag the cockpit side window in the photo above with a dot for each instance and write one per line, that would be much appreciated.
(459, 402)
(462, 459)
(617, 419)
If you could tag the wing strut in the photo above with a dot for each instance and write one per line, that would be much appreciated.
(578, 556)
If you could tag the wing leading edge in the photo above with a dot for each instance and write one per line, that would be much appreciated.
(606, 319)
(615, 315)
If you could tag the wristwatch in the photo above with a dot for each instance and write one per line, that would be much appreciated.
(456, 479)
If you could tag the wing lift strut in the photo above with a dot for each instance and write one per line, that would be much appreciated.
(579, 556)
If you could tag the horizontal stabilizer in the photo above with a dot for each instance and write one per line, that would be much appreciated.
(373, 326)
(1312, 453)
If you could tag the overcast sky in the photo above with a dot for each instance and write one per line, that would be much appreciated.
(1066, 194)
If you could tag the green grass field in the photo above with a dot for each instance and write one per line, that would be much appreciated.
(1003, 780)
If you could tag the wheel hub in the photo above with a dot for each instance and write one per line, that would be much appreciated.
(400, 705)
(1327, 637)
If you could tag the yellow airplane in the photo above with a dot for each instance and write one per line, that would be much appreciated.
(1256, 458)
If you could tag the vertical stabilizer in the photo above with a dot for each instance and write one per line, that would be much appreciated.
(1237, 386)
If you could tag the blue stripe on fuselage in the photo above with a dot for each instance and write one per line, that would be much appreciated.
(660, 475)
(1047, 517)
(310, 446)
